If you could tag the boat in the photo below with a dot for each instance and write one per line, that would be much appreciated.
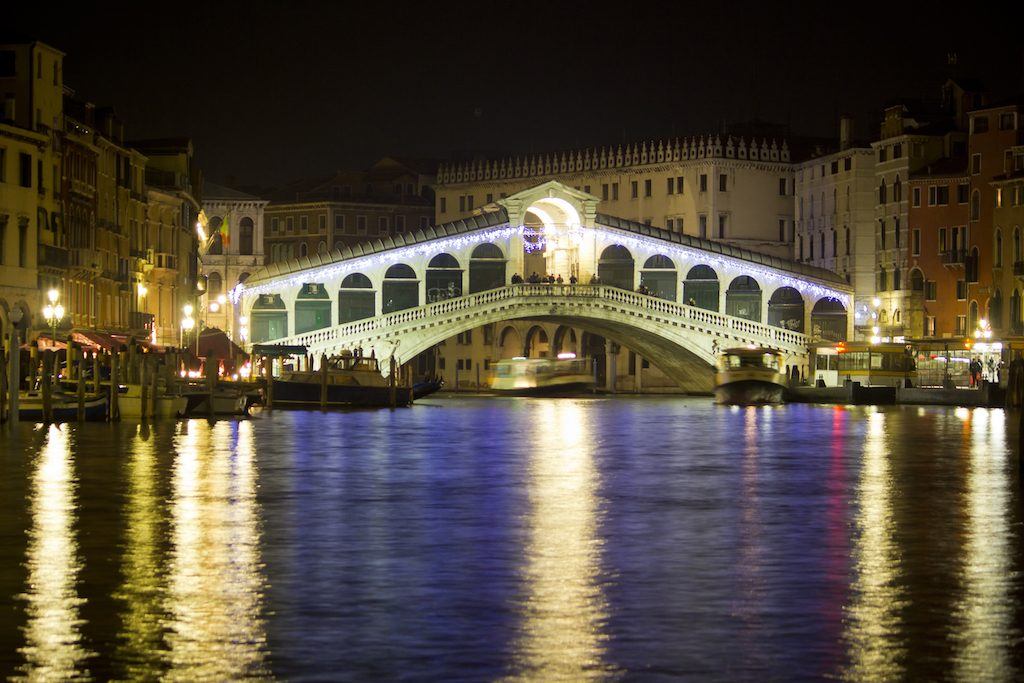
(426, 388)
(750, 375)
(129, 403)
(65, 407)
(351, 382)
(562, 376)
(226, 401)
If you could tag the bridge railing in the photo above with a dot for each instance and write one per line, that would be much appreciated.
(702, 317)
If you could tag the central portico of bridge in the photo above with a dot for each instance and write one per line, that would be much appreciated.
(398, 296)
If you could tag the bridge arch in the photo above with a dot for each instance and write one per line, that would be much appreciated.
(660, 277)
(786, 309)
(356, 298)
(400, 289)
(444, 278)
(486, 268)
(510, 342)
(701, 288)
(312, 308)
(616, 267)
(565, 341)
(269, 318)
(537, 343)
(743, 298)
(829, 319)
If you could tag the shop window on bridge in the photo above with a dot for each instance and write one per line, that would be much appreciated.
(444, 278)
(312, 308)
(786, 309)
(356, 298)
(659, 276)
(486, 268)
(616, 267)
(269, 318)
(743, 298)
(400, 290)
(701, 288)
(828, 320)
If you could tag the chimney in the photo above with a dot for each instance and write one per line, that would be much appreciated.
(845, 132)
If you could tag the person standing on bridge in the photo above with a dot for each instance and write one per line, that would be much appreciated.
(559, 280)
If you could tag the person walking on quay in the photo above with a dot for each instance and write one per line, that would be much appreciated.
(974, 367)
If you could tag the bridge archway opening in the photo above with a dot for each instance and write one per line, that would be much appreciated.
(565, 340)
(743, 298)
(269, 318)
(401, 289)
(486, 268)
(660, 277)
(536, 344)
(786, 309)
(510, 342)
(616, 267)
(828, 320)
(593, 346)
(312, 308)
(701, 288)
(356, 298)
(444, 278)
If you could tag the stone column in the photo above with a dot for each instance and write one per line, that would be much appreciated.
(611, 357)
(638, 383)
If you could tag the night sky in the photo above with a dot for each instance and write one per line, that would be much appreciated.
(271, 92)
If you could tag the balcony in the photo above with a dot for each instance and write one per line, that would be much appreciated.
(53, 257)
(84, 258)
(954, 257)
(140, 321)
(167, 261)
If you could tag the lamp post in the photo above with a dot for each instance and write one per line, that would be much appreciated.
(54, 313)
(187, 323)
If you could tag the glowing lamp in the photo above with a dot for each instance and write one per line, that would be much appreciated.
(53, 295)
(222, 299)
(566, 356)
(214, 307)
(876, 302)
(143, 290)
(187, 310)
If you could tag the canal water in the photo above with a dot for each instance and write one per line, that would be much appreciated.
(483, 539)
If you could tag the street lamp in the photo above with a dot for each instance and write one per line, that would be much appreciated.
(54, 313)
(243, 328)
(187, 323)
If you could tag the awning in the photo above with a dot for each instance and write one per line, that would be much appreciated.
(214, 340)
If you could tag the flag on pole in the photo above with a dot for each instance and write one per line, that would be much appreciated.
(225, 229)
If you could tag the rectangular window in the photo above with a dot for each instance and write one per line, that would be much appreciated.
(881, 231)
(671, 186)
(929, 326)
(634, 189)
(669, 224)
(339, 222)
(273, 224)
(917, 196)
(703, 182)
(679, 184)
(721, 225)
(975, 164)
(722, 182)
(382, 225)
(963, 192)
(290, 223)
(847, 163)
(917, 242)
(469, 202)
(647, 187)
(304, 223)
(604, 192)
(23, 244)
(360, 225)
(586, 188)
(615, 191)
(961, 325)
(782, 229)
(1006, 121)
(703, 226)
(462, 203)
(782, 187)
(961, 290)
(444, 205)
(881, 154)
(400, 223)
(979, 124)
(999, 197)
(897, 150)
(424, 222)
(25, 169)
(930, 290)
(323, 222)
(835, 167)
(490, 197)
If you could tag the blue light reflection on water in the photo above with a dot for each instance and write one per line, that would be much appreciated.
(536, 539)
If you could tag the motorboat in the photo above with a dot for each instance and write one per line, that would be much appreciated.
(562, 376)
(351, 381)
(750, 375)
(65, 407)
(426, 388)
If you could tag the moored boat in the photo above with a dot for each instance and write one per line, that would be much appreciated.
(350, 382)
(564, 376)
(750, 376)
(65, 407)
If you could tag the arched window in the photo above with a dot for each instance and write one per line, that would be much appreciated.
(1016, 244)
(835, 200)
(312, 308)
(444, 278)
(828, 320)
(786, 309)
(1016, 323)
(881, 192)
(356, 298)
(847, 241)
(486, 268)
(896, 278)
(995, 311)
(615, 267)
(917, 280)
(339, 245)
(847, 197)
(835, 243)
(800, 246)
(883, 283)
(701, 288)
(303, 249)
(896, 317)
(897, 190)
(400, 290)
(660, 277)
(999, 248)
(216, 247)
(321, 248)
(245, 236)
(743, 298)
(972, 317)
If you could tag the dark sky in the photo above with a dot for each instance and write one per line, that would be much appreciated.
(276, 91)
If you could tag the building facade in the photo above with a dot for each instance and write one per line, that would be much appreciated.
(225, 263)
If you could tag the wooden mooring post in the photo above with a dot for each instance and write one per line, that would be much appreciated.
(47, 385)
(115, 363)
(80, 385)
(391, 383)
(323, 381)
(4, 417)
(268, 368)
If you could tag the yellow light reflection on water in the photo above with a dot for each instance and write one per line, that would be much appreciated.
(215, 583)
(53, 640)
(144, 586)
(984, 610)
(873, 617)
(565, 610)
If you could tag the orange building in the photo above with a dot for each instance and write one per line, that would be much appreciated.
(937, 278)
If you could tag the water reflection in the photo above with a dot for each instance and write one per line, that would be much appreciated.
(984, 610)
(53, 633)
(144, 584)
(873, 629)
(215, 583)
(565, 610)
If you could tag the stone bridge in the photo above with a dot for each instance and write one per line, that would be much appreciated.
(402, 295)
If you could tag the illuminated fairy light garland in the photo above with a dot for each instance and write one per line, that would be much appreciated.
(686, 254)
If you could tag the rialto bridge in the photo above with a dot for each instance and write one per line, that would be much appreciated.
(402, 295)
